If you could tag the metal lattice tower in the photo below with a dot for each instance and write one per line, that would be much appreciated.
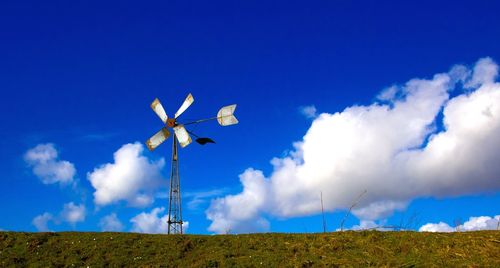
(225, 117)
(175, 208)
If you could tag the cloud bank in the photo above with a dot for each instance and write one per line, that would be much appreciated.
(132, 177)
(45, 164)
(473, 224)
(413, 141)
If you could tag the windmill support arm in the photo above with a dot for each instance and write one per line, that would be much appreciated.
(200, 121)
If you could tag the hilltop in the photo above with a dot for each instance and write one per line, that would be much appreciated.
(366, 248)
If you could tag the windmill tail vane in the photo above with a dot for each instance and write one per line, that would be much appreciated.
(225, 117)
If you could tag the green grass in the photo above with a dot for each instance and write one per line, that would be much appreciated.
(367, 248)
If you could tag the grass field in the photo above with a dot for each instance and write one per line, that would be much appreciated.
(367, 248)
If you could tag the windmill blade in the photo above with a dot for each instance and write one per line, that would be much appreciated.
(187, 102)
(225, 116)
(157, 139)
(182, 135)
(158, 108)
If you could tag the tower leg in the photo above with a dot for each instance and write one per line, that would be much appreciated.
(175, 209)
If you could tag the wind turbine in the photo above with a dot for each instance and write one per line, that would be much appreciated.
(225, 117)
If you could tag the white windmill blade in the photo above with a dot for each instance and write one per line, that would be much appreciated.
(187, 102)
(182, 135)
(157, 139)
(225, 116)
(158, 108)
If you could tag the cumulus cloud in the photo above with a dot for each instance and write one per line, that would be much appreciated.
(44, 161)
(473, 224)
(436, 227)
(398, 148)
(110, 223)
(153, 222)
(240, 213)
(72, 213)
(132, 177)
(41, 222)
(308, 111)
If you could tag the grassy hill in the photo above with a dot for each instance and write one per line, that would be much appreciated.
(367, 248)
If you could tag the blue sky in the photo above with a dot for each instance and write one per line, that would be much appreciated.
(81, 76)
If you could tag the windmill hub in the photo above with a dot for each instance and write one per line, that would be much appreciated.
(225, 117)
(171, 122)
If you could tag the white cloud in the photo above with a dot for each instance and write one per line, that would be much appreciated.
(41, 222)
(395, 151)
(153, 222)
(308, 111)
(473, 224)
(388, 94)
(111, 223)
(485, 72)
(436, 227)
(72, 213)
(132, 177)
(45, 164)
(480, 223)
(239, 213)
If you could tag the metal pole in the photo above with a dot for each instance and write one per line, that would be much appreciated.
(171, 185)
(175, 209)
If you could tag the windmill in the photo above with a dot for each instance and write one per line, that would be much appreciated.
(225, 117)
